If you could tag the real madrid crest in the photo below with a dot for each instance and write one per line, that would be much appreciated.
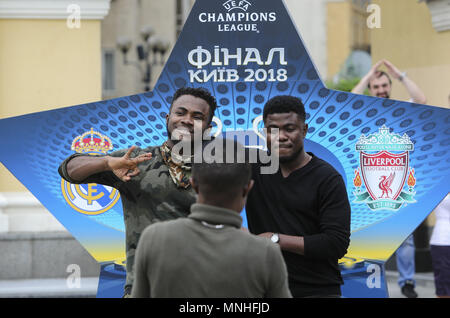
(92, 198)
(384, 168)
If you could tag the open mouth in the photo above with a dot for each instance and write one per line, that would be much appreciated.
(182, 132)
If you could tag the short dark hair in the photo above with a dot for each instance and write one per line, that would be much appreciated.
(379, 74)
(284, 104)
(200, 93)
(218, 175)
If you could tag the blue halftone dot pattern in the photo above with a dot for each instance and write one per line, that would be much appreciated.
(336, 121)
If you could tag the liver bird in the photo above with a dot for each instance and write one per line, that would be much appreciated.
(385, 184)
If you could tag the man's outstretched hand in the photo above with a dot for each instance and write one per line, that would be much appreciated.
(374, 69)
(392, 70)
(125, 167)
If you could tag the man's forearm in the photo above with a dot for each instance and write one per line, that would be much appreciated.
(414, 91)
(362, 85)
(289, 243)
(293, 244)
(79, 168)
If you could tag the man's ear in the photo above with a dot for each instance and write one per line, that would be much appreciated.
(248, 187)
(305, 130)
(208, 129)
(193, 184)
(210, 123)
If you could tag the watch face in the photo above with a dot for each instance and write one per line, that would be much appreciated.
(275, 238)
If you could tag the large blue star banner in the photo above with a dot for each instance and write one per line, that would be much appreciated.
(393, 155)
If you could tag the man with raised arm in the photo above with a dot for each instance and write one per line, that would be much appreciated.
(380, 84)
(153, 182)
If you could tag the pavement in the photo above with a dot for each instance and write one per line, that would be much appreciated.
(425, 287)
(48, 288)
(60, 287)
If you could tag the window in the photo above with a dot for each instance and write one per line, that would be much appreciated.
(440, 14)
(183, 7)
(108, 72)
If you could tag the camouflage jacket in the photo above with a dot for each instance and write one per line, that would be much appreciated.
(147, 198)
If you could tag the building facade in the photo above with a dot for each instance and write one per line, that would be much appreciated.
(49, 58)
(331, 30)
(415, 36)
(126, 20)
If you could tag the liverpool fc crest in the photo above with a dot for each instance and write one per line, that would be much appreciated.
(384, 168)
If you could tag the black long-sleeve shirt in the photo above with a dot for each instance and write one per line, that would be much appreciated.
(311, 202)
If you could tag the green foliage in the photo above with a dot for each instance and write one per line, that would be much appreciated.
(345, 85)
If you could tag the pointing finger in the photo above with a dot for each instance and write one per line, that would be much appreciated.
(130, 150)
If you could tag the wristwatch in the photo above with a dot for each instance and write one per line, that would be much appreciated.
(402, 76)
(275, 238)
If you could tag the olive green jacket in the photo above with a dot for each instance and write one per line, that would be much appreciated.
(147, 198)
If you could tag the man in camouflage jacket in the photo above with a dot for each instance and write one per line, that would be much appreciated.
(153, 184)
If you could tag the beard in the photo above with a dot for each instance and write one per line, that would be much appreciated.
(179, 137)
(291, 157)
(169, 136)
(384, 95)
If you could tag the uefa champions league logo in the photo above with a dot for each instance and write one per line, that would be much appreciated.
(92, 198)
(237, 17)
(384, 167)
(240, 4)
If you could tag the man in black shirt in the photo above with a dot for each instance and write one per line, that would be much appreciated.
(303, 206)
